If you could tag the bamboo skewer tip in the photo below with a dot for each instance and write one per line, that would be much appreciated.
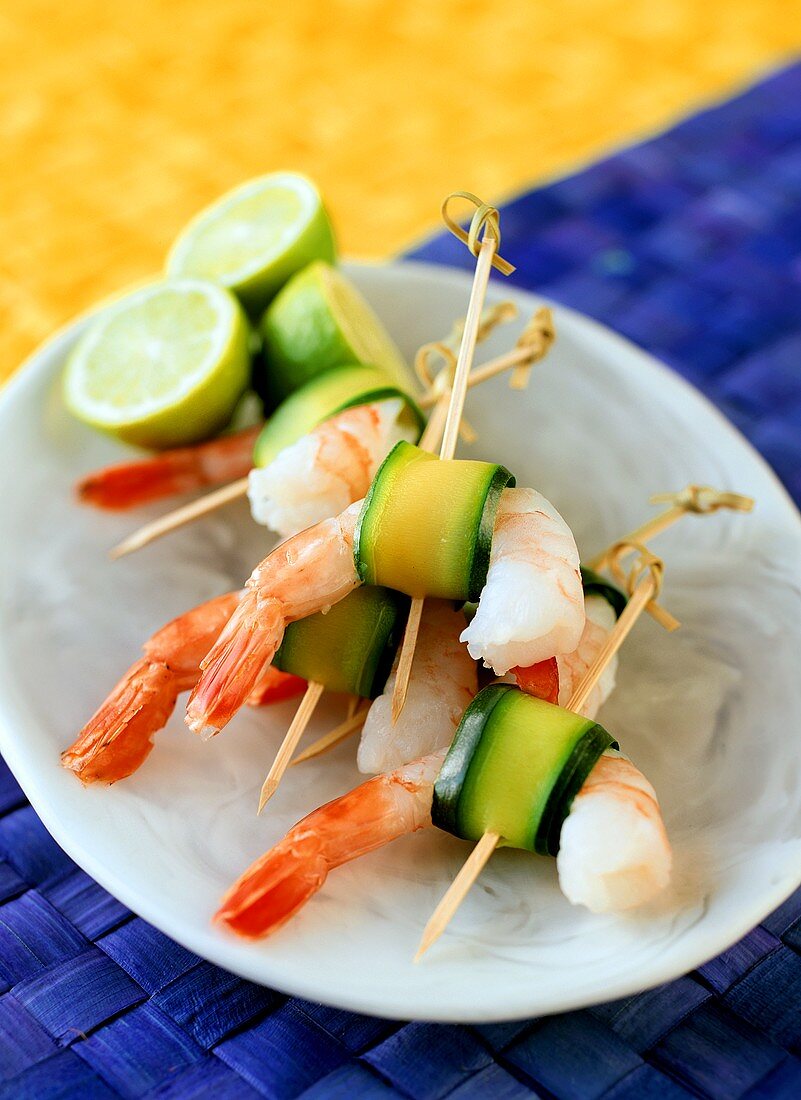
(283, 757)
(333, 738)
(457, 892)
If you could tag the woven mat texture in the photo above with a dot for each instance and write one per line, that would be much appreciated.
(119, 120)
(691, 245)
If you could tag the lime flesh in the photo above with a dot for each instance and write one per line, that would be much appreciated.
(163, 366)
(256, 237)
(318, 321)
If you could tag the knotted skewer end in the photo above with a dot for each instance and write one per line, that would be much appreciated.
(645, 565)
(703, 500)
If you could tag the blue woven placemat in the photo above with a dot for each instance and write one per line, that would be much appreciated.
(689, 244)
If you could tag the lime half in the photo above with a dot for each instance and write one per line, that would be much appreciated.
(256, 237)
(163, 366)
(320, 320)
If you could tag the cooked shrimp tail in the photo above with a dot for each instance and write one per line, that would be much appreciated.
(234, 665)
(307, 573)
(171, 473)
(118, 738)
(276, 886)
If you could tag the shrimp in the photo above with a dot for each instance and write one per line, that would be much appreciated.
(614, 852)
(308, 573)
(118, 738)
(532, 604)
(555, 679)
(326, 470)
(180, 470)
(444, 679)
(276, 886)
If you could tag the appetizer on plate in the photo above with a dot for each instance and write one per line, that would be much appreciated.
(402, 571)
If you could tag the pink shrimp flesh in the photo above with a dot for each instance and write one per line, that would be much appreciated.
(323, 472)
(179, 470)
(572, 666)
(532, 604)
(444, 679)
(556, 679)
(614, 852)
(276, 886)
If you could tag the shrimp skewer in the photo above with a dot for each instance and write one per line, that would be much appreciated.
(179, 470)
(444, 681)
(308, 481)
(531, 606)
(118, 738)
(614, 851)
(126, 485)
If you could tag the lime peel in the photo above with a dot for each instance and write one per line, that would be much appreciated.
(256, 237)
(162, 366)
(319, 320)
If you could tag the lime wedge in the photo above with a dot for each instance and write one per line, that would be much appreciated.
(163, 366)
(256, 237)
(320, 320)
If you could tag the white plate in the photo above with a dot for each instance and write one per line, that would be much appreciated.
(711, 714)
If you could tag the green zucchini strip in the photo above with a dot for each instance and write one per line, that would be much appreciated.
(351, 647)
(514, 768)
(427, 523)
(324, 396)
(596, 585)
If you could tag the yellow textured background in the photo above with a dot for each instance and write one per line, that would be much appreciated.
(119, 119)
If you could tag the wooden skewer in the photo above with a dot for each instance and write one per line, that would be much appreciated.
(188, 513)
(695, 499)
(457, 891)
(333, 737)
(406, 657)
(485, 253)
(645, 582)
(533, 344)
(290, 742)
(354, 703)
